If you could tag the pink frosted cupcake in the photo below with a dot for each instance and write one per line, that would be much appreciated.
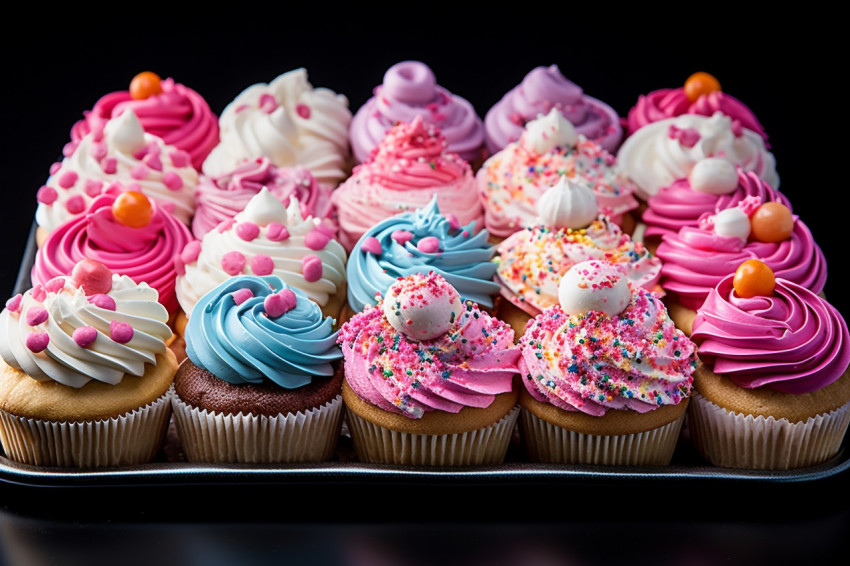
(166, 109)
(411, 165)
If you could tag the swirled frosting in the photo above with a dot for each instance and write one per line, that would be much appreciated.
(542, 89)
(593, 362)
(144, 254)
(679, 204)
(221, 197)
(120, 151)
(252, 329)
(467, 366)
(421, 241)
(266, 238)
(513, 180)
(410, 89)
(410, 165)
(791, 341)
(661, 152)
(55, 331)
(290, 122)
(178, 115)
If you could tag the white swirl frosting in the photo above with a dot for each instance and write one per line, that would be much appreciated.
(105, 359)
(289, 122)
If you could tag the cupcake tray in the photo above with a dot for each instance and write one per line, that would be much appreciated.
(171, 469)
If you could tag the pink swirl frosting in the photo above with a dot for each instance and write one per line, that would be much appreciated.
(409, 90)
(679, 205)
(542, 89)
(178, 115)
(221, 197)
(671, 102)
(792, 341)
(144, 254)
(411, 165)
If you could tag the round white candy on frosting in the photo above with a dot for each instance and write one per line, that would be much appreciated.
(594, 286)
(567, 204)
(546, 132)
(420, 310)
(732, 222)
(714, 175)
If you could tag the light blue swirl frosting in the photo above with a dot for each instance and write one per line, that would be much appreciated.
(464, 258)
(241, 343)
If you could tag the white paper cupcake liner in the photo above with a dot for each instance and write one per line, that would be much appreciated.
(551, 444)
(482, 447)
(211, 437)
(735, 440)
(133, 438)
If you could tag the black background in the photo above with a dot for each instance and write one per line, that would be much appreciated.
(787, 67)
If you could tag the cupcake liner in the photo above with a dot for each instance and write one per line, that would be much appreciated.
(481, 447)
(207, 436)
(736, 440)
(548, 443)
(133, 438)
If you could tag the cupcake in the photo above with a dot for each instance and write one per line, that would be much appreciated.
(166, 109)
(606, 375)
(701, 94)
(221, 197)
(85, 375)
(411, 164)
(772, 390)
(261, 383)
(119, 152)
(569, 230)
(541, 90)
(421, 241)
(511, 181)
(410, 90)
(695, 259)
(290, 122)
(429, 380)
(266, 238)
(664, 151)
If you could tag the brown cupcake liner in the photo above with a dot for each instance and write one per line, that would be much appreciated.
(485, 446)
(736, 440)
(133, 438)
(304, 436)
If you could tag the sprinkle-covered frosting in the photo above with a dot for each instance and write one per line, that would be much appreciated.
(791, 340)
(542, 89)
(62, 331)
(419, 242)
(290, 122)
(593, 362)
(253, 329)
(467, 366)
(410, 89)
(411, 165)
(120, 151)
(176, 114)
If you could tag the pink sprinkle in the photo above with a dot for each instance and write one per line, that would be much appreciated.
(262, 265)
(55, 168)
(280, 303)
(37, 341)
(290, 299)
(46, 195)
(153, 161)
(689, 137)
(116, 188)
(465, 233)
(76, 204)
(168, 206)
(429, 245)
(303, 110)
(172, 181)
(55, 285)
(454, 223)
(191, 251)
(402, 236)
(36, 315)
(311, 268)
(179, 266)
(267, 103)
(180, 158)
(103, 301)
(516, 119)
(316, 240)
(38, 293)
(737, 128)
(98, 151)
(242, 295)
(240, 108)
(93, 187)
(69, 148)
(120, 332)
(327, 230)
(372, 245)
(139, 172)
(67, 179)
(109, 165)
(14, 304)
(84, 336)
(277, 232)
(248, 231)
(233, 263)
(225, 225)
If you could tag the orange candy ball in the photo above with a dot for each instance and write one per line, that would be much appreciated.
(754, 278)
(772, 222)
(700, 83)
(132, 209)
(144, 85)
